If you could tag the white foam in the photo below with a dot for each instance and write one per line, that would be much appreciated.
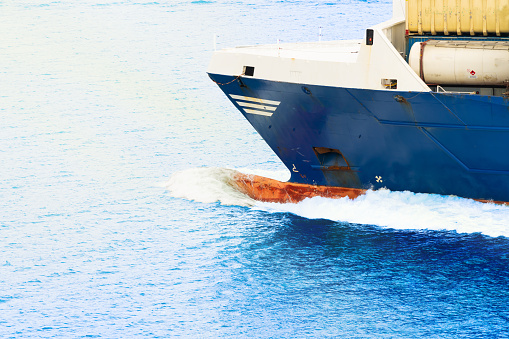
(206, 185)
(283, 175)
(398, 210)
(406, 210)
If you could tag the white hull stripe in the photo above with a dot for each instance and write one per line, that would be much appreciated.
(255, 100)
(261, 106)
(264, 107)
(252, 111)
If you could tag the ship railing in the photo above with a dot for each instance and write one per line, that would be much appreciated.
(440, 89)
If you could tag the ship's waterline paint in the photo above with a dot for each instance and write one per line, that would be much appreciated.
(270, 190)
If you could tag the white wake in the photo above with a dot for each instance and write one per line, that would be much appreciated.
(399, 210)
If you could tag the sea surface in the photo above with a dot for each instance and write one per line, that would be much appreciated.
(116, 220)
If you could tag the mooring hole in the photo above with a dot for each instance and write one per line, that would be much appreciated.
(330, 157)
(249, 71)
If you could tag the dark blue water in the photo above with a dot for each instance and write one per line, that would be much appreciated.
(116, 220)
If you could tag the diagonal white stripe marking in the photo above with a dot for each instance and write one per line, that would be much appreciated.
(255, 100)
(252, 111)
(248, 104)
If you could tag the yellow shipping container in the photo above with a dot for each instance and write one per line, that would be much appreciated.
(458, 17)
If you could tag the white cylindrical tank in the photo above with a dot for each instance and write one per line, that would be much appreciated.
(445, 62)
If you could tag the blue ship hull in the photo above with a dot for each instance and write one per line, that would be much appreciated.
(426, 142)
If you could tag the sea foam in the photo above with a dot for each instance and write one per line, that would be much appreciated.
(384, 208)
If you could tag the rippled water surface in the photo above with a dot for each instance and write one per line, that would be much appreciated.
(116, 219)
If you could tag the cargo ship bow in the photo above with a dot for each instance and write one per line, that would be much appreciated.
(420, 104)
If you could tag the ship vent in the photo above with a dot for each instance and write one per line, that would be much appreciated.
(330, 158)
(249, 71)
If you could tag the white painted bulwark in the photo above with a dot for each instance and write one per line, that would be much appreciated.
(350, 64)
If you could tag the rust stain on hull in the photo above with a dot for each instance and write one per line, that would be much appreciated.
(271, 190)
(493, 202)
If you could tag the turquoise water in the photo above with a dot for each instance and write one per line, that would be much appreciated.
(116, 221)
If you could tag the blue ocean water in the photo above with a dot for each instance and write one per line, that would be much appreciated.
(116, 220)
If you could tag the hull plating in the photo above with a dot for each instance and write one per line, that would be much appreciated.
(424, 142)
(270, 190)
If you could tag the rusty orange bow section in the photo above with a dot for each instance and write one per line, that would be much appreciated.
(270, 190)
